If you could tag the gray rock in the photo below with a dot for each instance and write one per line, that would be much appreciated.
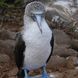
(6, 34)
(64, 52)
(74, 60)
(12, 77)
(55, 62)
(74, 34)
(12, 72)
(70, 62)
(61, 38)
(70, 74)
(74, 44)
(7, 47)
(4, 58)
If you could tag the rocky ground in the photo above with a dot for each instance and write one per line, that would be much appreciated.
(64, 61)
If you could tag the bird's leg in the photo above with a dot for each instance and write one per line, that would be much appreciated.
(26, 73)
(44, 72)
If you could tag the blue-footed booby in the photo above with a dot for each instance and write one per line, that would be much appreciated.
(35, 42)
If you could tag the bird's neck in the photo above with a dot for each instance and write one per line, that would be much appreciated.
(27, 20)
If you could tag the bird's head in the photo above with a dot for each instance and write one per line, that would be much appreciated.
(36, 11)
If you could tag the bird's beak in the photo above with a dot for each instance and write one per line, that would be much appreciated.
(38, 20)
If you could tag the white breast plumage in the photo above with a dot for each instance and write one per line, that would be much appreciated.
(38, 46)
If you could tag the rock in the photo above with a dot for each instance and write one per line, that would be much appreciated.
(49, 16)
(70, 63)
(7, 47)
(70, 74)
(74, 44)
(13, 77)
(76, 67)
(75, 34)
(6, 34)
(12, 72)
(57, 74)
(61, 38)
(7, 42)
(72, 34)
(61, 48)
(63, 51)
(56, 62)
(28, 1)
(4, 58)
(73, 59)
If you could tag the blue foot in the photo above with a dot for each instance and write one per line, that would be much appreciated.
(26, 73)
(45, 76)
(44, 72)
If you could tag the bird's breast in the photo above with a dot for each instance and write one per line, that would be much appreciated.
(38, 46)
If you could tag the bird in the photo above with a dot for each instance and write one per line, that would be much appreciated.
(34, 43)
